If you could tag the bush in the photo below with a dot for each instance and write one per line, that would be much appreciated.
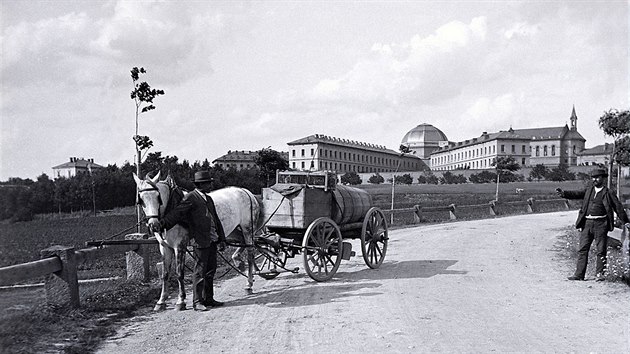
(404, 179)
(483, 177)
(351, 178)
(450, 178)
(376, 179)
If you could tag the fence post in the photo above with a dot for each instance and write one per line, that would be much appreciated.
(138, 261)
(566, 204)
(493, 205)
(451, 212)
(417, 213)
(530, 205)
(62, 287)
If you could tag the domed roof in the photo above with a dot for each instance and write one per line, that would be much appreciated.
(423, 133)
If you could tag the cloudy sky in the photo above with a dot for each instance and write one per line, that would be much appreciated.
(250, 75)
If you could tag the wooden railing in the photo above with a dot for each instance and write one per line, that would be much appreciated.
(491, 208)
(58, 264)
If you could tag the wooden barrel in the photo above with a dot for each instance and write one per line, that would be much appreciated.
(349, 204)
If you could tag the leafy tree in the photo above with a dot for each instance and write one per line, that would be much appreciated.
(376, 179)
(504, 165)
(539, 172)
(616, 124)
(269, 161)
(483, 177)
(561, 173)
(450, 178)
(404, 179)
(351, 178)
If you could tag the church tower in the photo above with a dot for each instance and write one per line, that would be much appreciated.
(573, 120)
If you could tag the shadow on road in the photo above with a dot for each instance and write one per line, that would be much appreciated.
(403, 270)
(307, 294)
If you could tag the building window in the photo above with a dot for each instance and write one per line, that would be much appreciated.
(514, 149)
(294, 165)
(574, 149)
(523, 161)
(553, 150)
(293, 152)
(302, 163)
(537, 150)
(312, 152)
(312, 164)
(302, 154)
(502, 148)
(545, 150)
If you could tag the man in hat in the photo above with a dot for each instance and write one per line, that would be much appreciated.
(197, 211)
(595, 219)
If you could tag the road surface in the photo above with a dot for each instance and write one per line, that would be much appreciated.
(494, 285)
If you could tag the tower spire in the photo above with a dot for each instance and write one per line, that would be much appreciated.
(573, 119)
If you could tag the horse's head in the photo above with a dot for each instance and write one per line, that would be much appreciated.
(153, 195)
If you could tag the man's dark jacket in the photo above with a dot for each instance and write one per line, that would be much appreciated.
(610, 203)
(199, 216)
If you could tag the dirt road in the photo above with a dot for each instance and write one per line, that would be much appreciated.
(494, 285)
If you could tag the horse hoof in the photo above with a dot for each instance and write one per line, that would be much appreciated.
(180, 307)
(159, 307)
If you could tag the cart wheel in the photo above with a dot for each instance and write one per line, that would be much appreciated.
(267, 260)
(322, 249)
(374, 238)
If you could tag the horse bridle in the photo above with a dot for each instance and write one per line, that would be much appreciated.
(152, 188)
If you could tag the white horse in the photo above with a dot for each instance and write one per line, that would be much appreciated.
(237, 209)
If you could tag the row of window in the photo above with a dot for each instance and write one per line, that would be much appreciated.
(343, 167)
(348, 156)
(442, 160)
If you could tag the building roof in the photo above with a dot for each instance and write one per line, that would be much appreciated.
(331, 140)
(605, 149)
(424, 133)
(80, 163)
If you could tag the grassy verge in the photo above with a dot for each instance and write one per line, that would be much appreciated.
(567, 247)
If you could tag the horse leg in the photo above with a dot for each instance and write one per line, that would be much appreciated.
(250, 269)
(167, 258)
(180, 263)
(237, 258)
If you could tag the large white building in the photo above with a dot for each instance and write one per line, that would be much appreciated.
(320, 152)
(547, 146)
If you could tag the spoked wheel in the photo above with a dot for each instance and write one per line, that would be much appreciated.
(374, 238)
(267, 261)
(322, 246)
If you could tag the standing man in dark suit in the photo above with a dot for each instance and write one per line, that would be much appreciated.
(197, 211)
(595, 219)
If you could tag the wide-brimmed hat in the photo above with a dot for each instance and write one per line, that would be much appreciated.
(203, 176)
(599, 172)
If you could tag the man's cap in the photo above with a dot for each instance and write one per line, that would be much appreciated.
(599, 172)
(203, 176)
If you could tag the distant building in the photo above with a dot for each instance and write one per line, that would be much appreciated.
(320, 152)
(547, 146)
(241, 159)
(74, 167)
(598, 155)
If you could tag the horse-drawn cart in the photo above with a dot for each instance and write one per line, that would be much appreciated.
(309, 214)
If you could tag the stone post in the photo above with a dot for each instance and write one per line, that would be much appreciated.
(62, 287)
(138, 261)
(530, 205)
(417, 214)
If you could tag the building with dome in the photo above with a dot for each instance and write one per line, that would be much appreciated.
(424, 140)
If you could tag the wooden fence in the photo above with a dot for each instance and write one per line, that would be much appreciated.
(59, 263)
(492, 208)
